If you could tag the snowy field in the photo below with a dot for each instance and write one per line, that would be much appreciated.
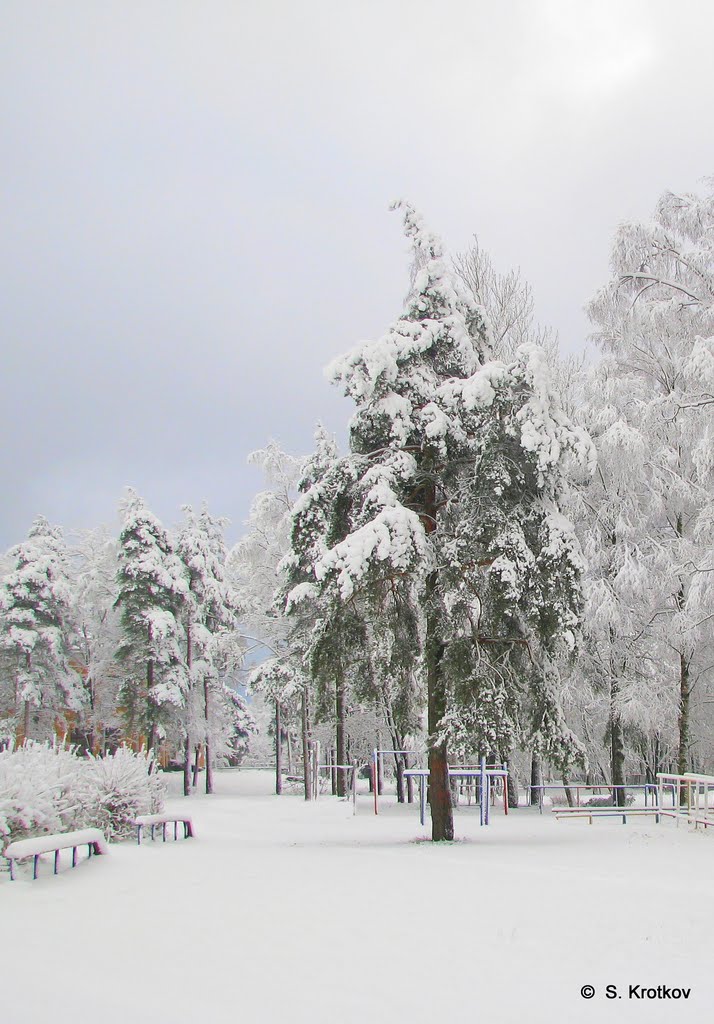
(281, 911)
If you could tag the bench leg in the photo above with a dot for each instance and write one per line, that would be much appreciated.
(12, 870)
(56, 860)
(74, 856)
(138, 835)
(34, 870)
(175, 831)
(164, 831)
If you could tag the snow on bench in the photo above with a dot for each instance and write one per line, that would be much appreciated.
(92, 838)
(152, 820)
(605, 812)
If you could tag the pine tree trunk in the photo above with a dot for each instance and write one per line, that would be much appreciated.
(340, 734)
(278, 751)
(150, 710)
(332, 761)
(207, 749)
(512, 787)
(568, 791)
(399, 763)
(307, 775)
(536, 779)
(196, 759)
(207, 717)
(187, 766)
(442, 816)
(26, 721)
(289, 741)
(187, 750)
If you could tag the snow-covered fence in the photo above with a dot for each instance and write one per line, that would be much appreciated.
(651, 792)
(693, 800)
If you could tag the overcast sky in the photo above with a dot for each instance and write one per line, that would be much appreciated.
(194, 206)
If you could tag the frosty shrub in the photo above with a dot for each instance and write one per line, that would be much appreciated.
(40, 791)
(47, 788)
(120, 786)
(606, 801)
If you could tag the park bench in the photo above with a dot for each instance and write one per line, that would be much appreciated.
(153, 820)
(92, 838)
(605, 812)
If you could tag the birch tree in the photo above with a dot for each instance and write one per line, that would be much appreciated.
(654, 322)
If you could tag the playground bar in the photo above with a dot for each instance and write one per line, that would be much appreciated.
(483, 774)
(376, 754)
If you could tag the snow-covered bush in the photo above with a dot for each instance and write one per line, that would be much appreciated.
(40, 791)
(47, 788)
(120, 786)
(607, 801)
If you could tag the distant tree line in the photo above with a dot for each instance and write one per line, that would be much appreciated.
(124, 640)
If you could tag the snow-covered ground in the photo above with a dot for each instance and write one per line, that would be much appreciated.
(282, 911)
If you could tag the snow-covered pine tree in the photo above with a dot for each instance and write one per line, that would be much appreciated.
(655, 323)
(35, 628)
(329, 634)
(152, 594)
(442, 525)
(211, 631)
(233, 726)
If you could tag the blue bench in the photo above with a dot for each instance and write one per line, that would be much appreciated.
(152, 821)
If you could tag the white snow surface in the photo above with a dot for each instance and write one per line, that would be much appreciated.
(284, 911)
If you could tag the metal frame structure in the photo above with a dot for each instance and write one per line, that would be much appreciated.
(483, 774)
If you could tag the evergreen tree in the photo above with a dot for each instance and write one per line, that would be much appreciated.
(35, 627)
(441, 528)
(152, 594)
(211, 631)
